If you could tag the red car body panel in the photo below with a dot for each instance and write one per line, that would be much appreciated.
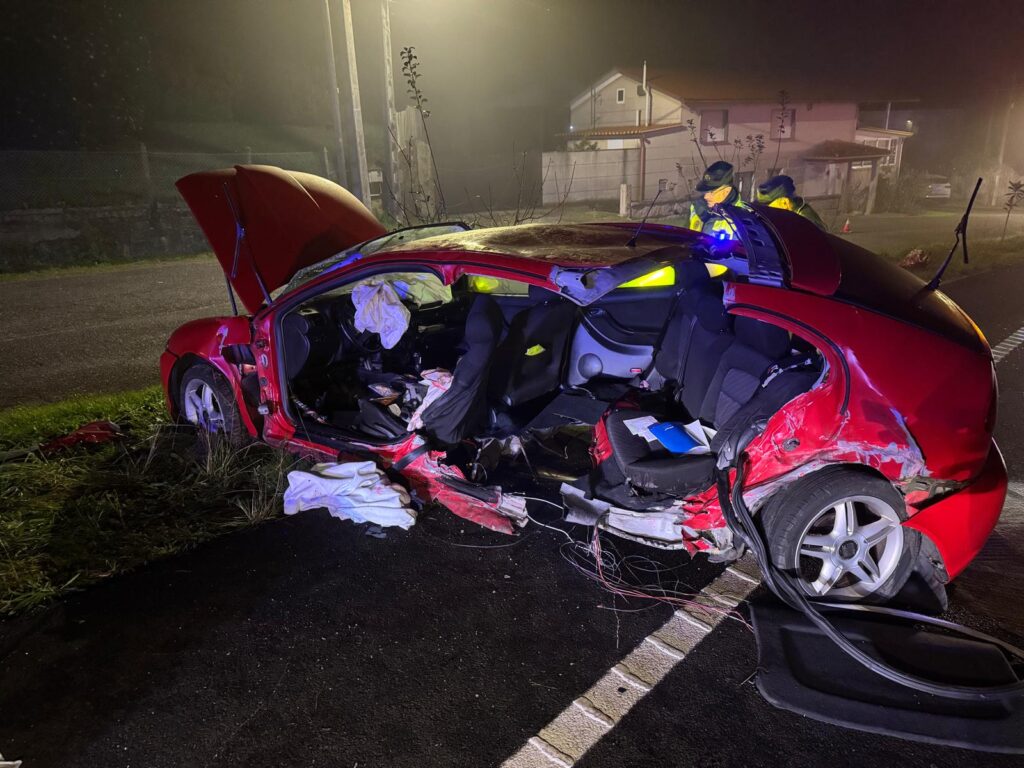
(205, 340)
(960, 524)
(926, 424)
(907, 434)
(812, 264)
(264, 224)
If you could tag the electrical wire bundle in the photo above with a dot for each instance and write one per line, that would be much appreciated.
(635, 577)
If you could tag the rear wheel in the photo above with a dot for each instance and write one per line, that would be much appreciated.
(838, 534)
(206, 399)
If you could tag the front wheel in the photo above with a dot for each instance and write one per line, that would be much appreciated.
(838, 535)
(206, 399)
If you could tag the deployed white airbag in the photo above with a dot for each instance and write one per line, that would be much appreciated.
(356, 491)
(380, 310)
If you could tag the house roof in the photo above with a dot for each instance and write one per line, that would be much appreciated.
(837, 151)
(885, 131)
(761, 84)
(625, 131)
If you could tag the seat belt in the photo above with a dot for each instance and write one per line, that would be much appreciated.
(778, 369)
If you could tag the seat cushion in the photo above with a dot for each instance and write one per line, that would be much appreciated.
(652, 467)
(627, 447)
(674, 475)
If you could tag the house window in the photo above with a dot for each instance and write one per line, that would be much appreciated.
(620, 96)
(714, 126)
(889, 145)
(782, 124)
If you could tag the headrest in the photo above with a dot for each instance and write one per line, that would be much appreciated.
(711, 314)
(484, 321)
(690, 274)
(769, 340)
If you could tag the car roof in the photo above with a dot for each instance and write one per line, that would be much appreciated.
(578, 245)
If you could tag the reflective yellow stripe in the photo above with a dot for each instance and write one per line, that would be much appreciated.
(659, 277)
(483, 283)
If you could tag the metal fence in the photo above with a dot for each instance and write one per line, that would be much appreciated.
(34, 179)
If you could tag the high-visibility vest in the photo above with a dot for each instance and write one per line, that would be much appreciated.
(712, 223)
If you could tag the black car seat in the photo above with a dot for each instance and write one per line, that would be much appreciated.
(711, 338)
(529, 362)
(462, 410)
(737, 380)
(673, 348)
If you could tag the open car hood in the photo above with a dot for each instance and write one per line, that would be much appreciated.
(265, 223)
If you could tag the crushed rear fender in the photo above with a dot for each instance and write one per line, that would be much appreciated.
(959, 524)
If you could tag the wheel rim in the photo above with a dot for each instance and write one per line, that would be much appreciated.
(202, 407)
(850, 548)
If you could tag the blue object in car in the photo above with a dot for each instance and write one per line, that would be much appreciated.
(674, 437)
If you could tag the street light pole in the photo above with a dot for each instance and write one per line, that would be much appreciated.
(332, 71)
(1002, 143)
(391, 192)
(361, 185)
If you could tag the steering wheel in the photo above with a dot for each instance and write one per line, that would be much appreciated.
(367, 342)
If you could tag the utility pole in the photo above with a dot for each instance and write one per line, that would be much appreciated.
(361, 184)
(996, 190)
(332, 71)
(392, 193)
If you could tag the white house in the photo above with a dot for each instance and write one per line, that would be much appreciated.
(657, 131)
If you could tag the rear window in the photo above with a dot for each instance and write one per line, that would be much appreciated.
(875, 283)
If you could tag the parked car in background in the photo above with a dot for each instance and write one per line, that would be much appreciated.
(621, 370)
(938, 188)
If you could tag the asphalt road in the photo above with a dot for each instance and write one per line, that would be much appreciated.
(98, 330)
(305, 642)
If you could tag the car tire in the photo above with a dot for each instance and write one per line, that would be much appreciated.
(838, 536)
(206, 399)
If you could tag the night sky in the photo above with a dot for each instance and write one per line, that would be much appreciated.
(107, 73)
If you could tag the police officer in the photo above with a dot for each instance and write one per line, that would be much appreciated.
(780, 192)
(716, 186)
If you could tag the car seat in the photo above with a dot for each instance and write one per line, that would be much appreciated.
(462, 410)
(529, 361)
(737, 379)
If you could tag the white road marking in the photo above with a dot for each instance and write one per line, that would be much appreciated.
(1007, 345)
(564, 740)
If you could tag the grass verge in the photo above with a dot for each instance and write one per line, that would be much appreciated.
(35, 271)
(985, 255)
(80, 516)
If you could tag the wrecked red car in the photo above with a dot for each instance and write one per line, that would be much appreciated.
(622, 371)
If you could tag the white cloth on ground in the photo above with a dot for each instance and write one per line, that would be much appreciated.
(356, 491)
(380, 310)
(438, 381)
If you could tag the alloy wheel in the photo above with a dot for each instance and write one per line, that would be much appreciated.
(851, 548)
(202, 407)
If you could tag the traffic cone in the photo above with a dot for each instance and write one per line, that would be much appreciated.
(846, 228)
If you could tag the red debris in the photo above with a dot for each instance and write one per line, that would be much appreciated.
(93, 433)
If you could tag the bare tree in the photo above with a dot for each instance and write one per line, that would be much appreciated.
(527, 196)
(783, 105)
(691, 127)
(410, 70)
